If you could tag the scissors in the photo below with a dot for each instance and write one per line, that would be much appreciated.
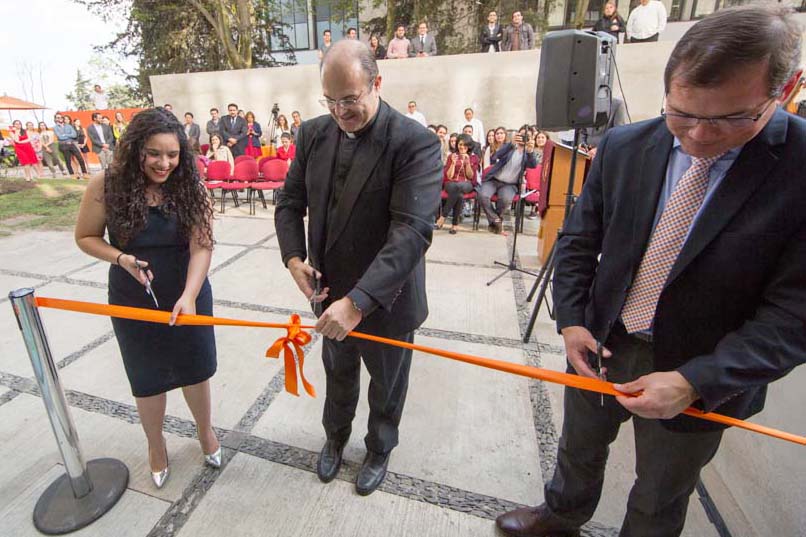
(599, 369)
(317, 289)
(149, 290)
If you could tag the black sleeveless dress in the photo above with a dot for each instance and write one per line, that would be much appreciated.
(158, 357)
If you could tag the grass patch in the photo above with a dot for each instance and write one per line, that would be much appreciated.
(46, 204)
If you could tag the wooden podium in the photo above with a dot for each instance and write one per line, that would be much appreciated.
(556, 190)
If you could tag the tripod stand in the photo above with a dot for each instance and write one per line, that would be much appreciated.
(512, 265)
(546, 272)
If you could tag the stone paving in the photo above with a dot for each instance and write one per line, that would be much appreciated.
(474, 442)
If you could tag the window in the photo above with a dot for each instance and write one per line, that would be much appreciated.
(336, 16)
(291, 18)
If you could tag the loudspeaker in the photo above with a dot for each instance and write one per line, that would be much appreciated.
(574, 82)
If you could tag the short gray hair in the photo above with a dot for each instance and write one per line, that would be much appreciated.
(360, 53)
(721, 44)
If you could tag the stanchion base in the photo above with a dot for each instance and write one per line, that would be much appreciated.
(58, 511)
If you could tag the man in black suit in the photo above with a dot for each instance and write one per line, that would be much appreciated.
(369, 180)
(685, 256)
(103, 142)
(233, 130)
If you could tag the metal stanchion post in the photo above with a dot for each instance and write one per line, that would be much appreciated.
(86, 491)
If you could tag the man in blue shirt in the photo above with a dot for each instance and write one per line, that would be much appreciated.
(68, 145)
(682, 263)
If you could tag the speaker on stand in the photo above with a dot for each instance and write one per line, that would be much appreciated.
(573, 92)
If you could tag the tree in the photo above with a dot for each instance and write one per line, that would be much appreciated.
(80, 96)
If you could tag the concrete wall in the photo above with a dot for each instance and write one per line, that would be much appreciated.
(758, 482)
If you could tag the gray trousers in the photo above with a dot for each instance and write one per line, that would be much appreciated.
(106, 156)
(506, 193)
(667, 465)
(50, 160)
(389, 373)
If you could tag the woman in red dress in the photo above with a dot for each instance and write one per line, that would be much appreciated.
(24, 150)
(254, 133)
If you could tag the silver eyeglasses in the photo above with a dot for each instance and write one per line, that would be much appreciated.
(347, 102)
(688, 121)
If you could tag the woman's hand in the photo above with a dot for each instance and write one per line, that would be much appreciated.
(137, 268)
(185, 305)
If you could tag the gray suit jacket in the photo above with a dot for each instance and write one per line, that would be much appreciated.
(372, 248)
(109, 138)
(237, 131)
(415, 46)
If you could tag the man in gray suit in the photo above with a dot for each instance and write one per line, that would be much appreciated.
(424, 44)
(369, 180)
(233, 131)
(103, 142)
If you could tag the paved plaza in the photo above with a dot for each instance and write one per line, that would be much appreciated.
(474, 442)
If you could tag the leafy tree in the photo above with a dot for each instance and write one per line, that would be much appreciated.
(80, 96)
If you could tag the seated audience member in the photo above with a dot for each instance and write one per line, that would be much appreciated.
(508, 165)
(542, 153)
(489, 149)
(458, 179)
(218, 151)
(282, 127)
(452, 143)
(253, 134)
(287, 150)
(377, 49)
(442, 133)
(296, 121)
(475, 148)
(399, 45)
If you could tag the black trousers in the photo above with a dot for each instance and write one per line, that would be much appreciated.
(456, 192)
(649, 39)
(667, 465)
(389, 372)
(70, 151)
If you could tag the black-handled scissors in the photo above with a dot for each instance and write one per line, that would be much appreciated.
(149, 290)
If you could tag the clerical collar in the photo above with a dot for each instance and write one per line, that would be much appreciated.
(366, 128)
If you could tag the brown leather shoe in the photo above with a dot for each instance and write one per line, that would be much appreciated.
(534, 522)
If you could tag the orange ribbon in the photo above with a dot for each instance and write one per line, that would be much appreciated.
(296, 335)
(294, 341)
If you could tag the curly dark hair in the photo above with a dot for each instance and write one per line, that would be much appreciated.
(183, 193)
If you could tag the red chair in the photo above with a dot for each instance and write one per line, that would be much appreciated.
(204, 148)
(274, 172)
(262, 161)
(219, 175)
(533, 178)
(243, 158)
(245, 175)
(201, 167)
(465, 197)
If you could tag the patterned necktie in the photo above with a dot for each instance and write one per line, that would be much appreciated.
(665, 245)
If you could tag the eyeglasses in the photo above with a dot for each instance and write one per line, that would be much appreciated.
(348, 102)
(687, 121)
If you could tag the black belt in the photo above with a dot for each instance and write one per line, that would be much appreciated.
(643, 336)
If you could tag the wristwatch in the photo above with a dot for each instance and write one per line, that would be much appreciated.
(356, 308)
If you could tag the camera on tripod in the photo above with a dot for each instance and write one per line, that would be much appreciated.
(275, 110)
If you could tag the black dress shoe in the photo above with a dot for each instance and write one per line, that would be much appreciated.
(372, 473)
(329, 460)
(534, 522)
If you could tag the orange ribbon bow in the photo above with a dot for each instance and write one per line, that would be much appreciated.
(290, 344)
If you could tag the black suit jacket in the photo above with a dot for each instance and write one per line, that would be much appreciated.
(491, 38)
(237, 131)
(732, 316)
(382, 227)
(109, 137)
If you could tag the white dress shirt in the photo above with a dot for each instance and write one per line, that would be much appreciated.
(478, 128)
(418, 117)
(646, 21)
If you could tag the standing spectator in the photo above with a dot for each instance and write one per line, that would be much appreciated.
(282, 127)
(67, 136)
(442, 133)
(241, 114)
(470, 119)
(103, 141)
(296, 121)
(491, 34)
(119, 126)
(415, 115)
(326, 43)
(81, 140)
(49, 155)
(26, 154)
(375, 46)
(352, 34)
(233, 131)
(98, 98)
(611, 22)
(508, 165)
(218, 151)
(489, 149)
(519, 35)
(36, 143)
(253, 134)
(193, 132)
(399, 45)
(543, 149)
(287, 150)
(459, 176)
(214, 124)
(424, 44)
(646, 21)
(168, 107)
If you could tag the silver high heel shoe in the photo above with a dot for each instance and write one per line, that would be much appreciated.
(159, 478)
(213, 459)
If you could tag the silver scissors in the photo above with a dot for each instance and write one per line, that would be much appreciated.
(317, 289)
(149, 290)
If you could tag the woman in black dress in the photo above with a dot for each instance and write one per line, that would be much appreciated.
(159, 220)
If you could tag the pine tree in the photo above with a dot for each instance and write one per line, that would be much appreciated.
(80, 96)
